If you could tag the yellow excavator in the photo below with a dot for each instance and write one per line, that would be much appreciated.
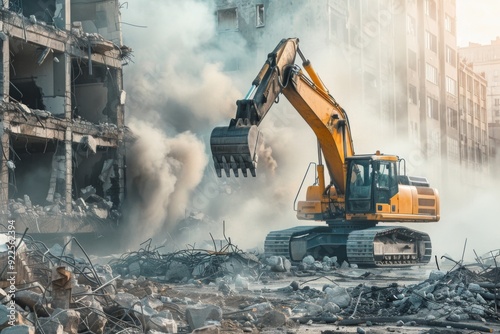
(364, 189)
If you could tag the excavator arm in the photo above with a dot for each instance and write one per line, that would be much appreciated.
(235, 147)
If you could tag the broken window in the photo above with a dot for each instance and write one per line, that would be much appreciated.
(430, 41)
(432, 108)
(95, 92)
(412, 59)
(40, 170)
(227, 19)
(96, 177)
(412, 92)
(37, 77)
(259, 14)
(41, 10)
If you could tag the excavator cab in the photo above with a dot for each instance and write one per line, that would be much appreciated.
(371, 183)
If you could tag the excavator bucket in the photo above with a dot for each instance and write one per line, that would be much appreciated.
(235, 148)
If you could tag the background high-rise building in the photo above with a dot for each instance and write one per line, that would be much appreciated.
(397, 61)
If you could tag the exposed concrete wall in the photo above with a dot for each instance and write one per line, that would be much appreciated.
(98, 17)
(64, 72)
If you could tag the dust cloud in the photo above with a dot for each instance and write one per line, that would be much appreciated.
(180, 89)
(162, 173)
(177, 92)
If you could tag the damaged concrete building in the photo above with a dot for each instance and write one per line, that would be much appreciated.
(62, 109)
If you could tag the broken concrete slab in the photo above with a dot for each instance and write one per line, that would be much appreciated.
(338, 295)
(198, 315)
(68, 318)
(126, 300)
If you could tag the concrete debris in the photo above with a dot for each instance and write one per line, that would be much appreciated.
(131, 295)
(198, 315)
(89, 204)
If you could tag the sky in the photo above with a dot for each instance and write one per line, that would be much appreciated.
(477, 21)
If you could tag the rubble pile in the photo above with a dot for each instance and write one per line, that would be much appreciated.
(209, 291)
(188, 264)
(89, 204)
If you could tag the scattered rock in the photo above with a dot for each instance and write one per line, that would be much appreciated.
(198, 315)
(273, 319)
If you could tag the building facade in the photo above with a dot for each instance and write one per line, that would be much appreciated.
(473, 124)
(62, 113)
(486, 59)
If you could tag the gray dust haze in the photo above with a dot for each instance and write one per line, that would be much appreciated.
(178, 90)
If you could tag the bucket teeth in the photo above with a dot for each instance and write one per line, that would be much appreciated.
(235, 148)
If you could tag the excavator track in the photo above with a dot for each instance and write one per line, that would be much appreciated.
(376, 246)
(382, 246)
(278, 242)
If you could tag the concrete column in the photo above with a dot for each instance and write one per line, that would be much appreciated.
(67, 80)
(120, 157)
(120, 108)
(5, 78)
(69, 175)
(4, 170)
(67, 14)
(5, 138)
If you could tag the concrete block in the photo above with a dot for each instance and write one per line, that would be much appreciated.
(126, 300)
(241, 283)
(20, 329)
(87, 192)
(338, 295)
(436, 275)
(162, 324)
(332, 308)
(273, 319)
(177, 271)
(49, 325)
(27, 298)
(152, 302)
(92, 321)
(211, 329)
(197, 315)
(27, 202)
(69, 319)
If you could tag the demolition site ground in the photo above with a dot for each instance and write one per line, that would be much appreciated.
(227, 290)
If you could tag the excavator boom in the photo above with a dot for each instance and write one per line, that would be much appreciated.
(235, 147)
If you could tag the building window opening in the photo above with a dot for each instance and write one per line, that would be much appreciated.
(259, 14)
(95, 94)
(36, 10)
(227, 19)
(39, 174)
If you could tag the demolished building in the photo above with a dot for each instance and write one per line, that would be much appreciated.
(62, 113)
